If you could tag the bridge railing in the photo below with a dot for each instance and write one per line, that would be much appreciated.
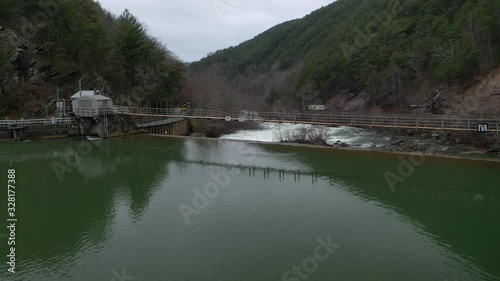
(337, 119)
(34, 122)
(94, 112)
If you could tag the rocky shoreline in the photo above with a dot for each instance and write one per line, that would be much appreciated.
(394, 140)
(429, 142)
(418, 141)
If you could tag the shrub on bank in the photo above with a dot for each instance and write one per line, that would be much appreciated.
(306, 135)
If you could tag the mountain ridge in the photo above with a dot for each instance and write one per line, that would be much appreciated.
(398, 52)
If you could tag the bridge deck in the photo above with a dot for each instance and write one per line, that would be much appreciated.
(159, 123)
(424, 122)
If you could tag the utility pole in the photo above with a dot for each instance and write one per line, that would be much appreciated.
(80, 86)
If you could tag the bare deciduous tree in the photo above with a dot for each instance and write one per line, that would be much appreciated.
(446, 54)
(414, 60)
(395, 73)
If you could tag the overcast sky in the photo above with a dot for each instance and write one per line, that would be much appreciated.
(194, 28)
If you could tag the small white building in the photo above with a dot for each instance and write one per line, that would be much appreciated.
(91, 104)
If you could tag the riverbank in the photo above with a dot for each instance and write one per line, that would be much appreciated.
(414, 141)
(430, 142)
(472, 156)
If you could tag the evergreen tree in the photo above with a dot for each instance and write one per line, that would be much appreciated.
(132, 44)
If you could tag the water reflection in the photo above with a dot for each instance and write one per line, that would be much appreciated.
(446, 199)
(74, 217)
(117, 183)
(354, 185)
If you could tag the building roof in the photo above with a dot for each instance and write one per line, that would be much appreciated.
(84, 94)
(93, 97)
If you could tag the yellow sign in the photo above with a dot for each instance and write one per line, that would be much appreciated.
(317, 107)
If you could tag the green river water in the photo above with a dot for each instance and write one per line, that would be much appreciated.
(153, 209)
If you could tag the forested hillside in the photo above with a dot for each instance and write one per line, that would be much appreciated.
(47, 46)
(353, 54)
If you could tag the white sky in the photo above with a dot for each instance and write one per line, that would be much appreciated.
(194, 28)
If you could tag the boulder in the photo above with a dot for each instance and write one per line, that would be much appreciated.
(399, 142)
(345, 145)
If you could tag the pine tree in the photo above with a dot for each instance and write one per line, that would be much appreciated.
(133, 45)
